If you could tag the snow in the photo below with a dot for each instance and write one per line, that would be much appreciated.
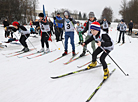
(28, 80)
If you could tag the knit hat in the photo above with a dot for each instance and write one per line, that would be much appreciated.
(41, 15)
(15, 23)
(66, 14)
(95, 26)
(77, 22)
(122, 20)
(91, 14)
(58, 13)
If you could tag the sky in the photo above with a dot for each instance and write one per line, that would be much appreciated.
(85, 6)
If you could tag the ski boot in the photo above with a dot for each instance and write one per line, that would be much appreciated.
(93, 64)
(26, 49)
(41, 50)
(83, 54)
(73, 53)
(106, 73)
(23, 49)
(47, 50)
(65, 53)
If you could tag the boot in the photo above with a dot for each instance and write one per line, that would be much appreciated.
(73, 53)
(93, 64)
(26, 49)
(65, 53)
(47, 50)
(41, 50)
(106, 73)
(23, 49)
(83, 54)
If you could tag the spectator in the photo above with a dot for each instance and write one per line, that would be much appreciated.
(130, 27)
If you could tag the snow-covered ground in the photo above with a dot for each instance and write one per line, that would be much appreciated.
(28, 80)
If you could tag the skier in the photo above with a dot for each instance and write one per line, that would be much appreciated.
(45, 28)
(58, 28)
(69, 31)
(103, 41)
(79, 30)
(130, 27)
(91, 19)
(5, 23)
(24, 34)
(122, 28)
(105, 24)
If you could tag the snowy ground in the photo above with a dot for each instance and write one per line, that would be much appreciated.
(28, 80)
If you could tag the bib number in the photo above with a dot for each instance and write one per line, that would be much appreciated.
(68, 26)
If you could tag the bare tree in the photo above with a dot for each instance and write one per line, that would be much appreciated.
(108, 13)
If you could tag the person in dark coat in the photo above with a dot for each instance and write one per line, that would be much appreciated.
(130, 27)
(5, 23)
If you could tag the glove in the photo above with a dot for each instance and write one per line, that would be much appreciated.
(70, 19)
(82, 33)
(54, 18)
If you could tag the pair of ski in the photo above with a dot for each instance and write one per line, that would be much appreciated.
(99, 86)
(17, 53)
(71, 60)
(41, 54)
(120, 44)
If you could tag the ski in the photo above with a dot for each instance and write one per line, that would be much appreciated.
(22, 52)
(15, 52)
(29, 54)
(74, 72)
(103, 81)
(58, 58)
(74, 59)
(87, 64)
(41, 54)
(84, 64)
(121, 44)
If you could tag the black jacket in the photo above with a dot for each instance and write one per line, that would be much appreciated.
(130, 25)
(5, 23)
(107, 22)
(107, 40)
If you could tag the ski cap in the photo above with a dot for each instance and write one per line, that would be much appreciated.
(41, 15)
(15, 23)
(122, 20)
(91, 14)
(65, 13)
(95, 26)
(77, 22)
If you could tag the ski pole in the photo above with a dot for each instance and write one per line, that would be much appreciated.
(114, 62)
(90, 53)
(116, 36)
(30, 42)
(128, 38)
(54, 42)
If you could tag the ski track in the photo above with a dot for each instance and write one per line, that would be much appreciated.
(28, 80)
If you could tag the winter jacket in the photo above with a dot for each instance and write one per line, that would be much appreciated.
(104, 38)
(59, 25)
(5, 23)
(130, 25)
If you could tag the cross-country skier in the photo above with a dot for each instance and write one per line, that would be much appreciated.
(105, 24)
(103, 41)
(24, 34)
(69, 31)
(91, 19)
(45, 28)
(79, 30)
(122, 28)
